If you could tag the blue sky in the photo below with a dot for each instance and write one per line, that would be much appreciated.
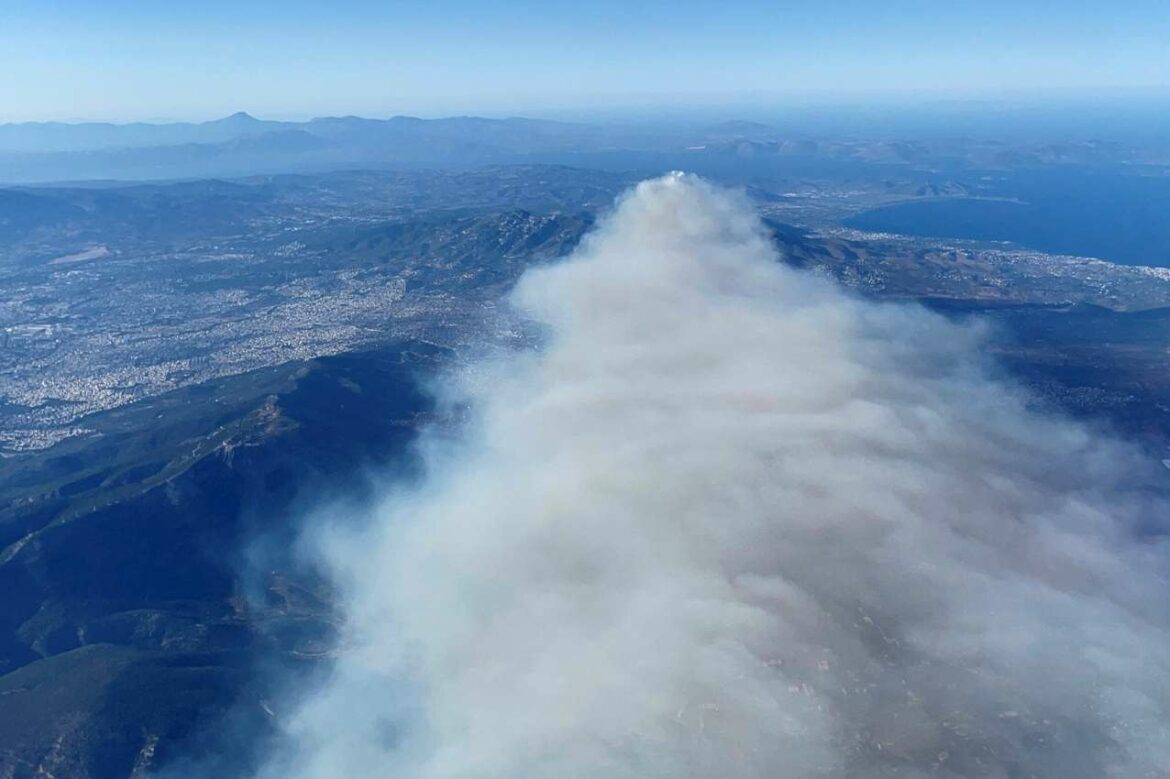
(122, 60)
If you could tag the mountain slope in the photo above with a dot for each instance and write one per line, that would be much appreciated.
(130, 619)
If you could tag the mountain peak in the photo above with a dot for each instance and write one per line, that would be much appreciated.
(239, 117)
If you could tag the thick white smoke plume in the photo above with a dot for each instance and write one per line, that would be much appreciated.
(732, 523)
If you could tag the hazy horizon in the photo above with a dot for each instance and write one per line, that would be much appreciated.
(650, 111)
(765, 109)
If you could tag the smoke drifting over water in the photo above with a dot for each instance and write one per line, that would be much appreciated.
(730, 522)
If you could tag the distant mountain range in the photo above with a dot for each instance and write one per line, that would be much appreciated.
(242, 145)
(49, 137)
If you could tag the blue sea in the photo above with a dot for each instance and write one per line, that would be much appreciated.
(1118, 216)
